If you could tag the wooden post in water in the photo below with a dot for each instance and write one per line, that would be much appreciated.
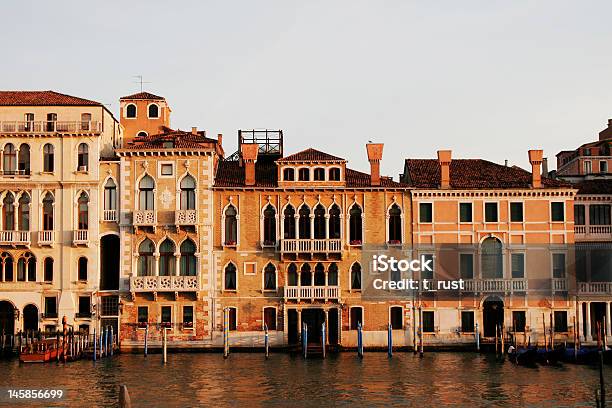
(323, 338)
(602, 384)
(165, 346)
(390, 341)
(305, 339)
(359, 340)
(146, 340)
(496, 338)
(544, 328)
(124, 397)
(414, 331)
(58, 345)
(575, 340)
(226, 332)
(503, 343)
(95, 338)
(552, 332)
(477, 337)
(112, 340)
(266, 340)
(421, 330)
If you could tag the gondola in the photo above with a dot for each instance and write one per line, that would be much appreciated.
(524, 356)
(584, 355)
(549, 357)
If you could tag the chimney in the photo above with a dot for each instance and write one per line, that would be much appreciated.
(607, 132)
(249, 157)
(375, 151)
(545, 167)
(194, 130)
(506, 162)
(220, 139)
(444, 159)
(535, 158)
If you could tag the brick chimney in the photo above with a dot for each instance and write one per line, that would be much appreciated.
(249, 157)
(535, 158)
(444, 160)
(375, 151)
(220, 139)
(194, 130)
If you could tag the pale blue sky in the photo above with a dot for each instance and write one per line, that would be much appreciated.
(486, 79)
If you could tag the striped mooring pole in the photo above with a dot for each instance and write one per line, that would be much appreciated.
(359, 340)
(390, 341)
(226, 332)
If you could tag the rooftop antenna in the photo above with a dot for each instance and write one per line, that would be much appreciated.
(140, 81)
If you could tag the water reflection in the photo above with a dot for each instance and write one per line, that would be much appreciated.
(440, 379)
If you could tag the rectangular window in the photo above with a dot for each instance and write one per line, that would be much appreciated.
(428, 322)
(143, 314)
(518, 266)
(558, 265)
(603, 166)
(466, 266)
(516, 212)
(250, 268)
(187, 316)
(518, 320)
(427, 273)
(587, 167)
(51, 306)
(356, 317)
(110, 306)
(270, 317)
(396, 317)
(425, 212)
(491, 212)
(599, 214)
(560, 317)
(579, 214)
(233, 321)
(556, 211)
(166, 169)
(84, 306)
(467, 321)
(465, 212)
(166, 315)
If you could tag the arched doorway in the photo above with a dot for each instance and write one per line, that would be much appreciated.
(109, 262)
(7, 317)
(30, 318)
(492, 315)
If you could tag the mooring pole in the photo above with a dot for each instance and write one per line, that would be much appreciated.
(266, 340)
(146, 340)
(421, 330)
(112, 341)
(95, 345)
(105, 341)
(414, 332)
(359, 340)
(305, 340)
(503, 342)
(477, 334)
(575, 340)
(602, 384)
(496, 339)
(390, 341)
(226, 332)
(323, 338)
(165, 346)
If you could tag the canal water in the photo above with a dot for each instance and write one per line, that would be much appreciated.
(189, 380)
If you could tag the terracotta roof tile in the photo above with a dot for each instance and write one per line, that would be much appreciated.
(603, 186)
(143, 95)
(310, 155)
(180, 139)
(474, 174)
(42, 98)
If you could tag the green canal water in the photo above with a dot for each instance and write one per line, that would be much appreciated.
(190, 380)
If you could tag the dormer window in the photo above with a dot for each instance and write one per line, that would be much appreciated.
(288, 174)
(319, 174)
(334, 174)
(304, 174)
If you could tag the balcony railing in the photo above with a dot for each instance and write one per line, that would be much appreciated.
(559, 284)
(15, 172)
(80, 237)
(14, 237)
(17, 126)
(186, 217)
(110, 215)
(163, 283)
(593, 232)
(45, 237)
(312, 293)
(311, 246)
(496, 285)
(595, 288)
(145, 218)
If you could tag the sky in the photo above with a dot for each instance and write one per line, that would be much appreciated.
(487, 79)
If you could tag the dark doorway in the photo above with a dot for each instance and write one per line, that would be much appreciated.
(314, 319)
(332, 326)
(598, 315)
(109, 262)
(7, 318)
(292, 326)
(493, 315)
(30, 318)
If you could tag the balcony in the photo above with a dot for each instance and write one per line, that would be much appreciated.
(311, 246)
(164, 284)
(46, 238)
(14, 238)
(110, 215)
(16, 126)
(595, 288)
(592, 232)
(80, 237)
(16, 173)
(143, 218)
(186, 217)
(559, 284)
(311, 293)
(495, 285)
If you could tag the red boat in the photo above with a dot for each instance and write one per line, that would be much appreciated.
(39, 352)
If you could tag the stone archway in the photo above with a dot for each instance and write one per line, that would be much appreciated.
(7, 317)
(30, 318)
(492, 315)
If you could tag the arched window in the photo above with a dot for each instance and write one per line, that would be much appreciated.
(334, 222)
(47, 212)
(230, 277)
(130, 111)
(332, 274)
(82, 269)
(7, 266)
(21, 270)
(231, 225)
(319, 222)
(269, 222)
(319, 275)
(304, 174)
(304, 222)
(48, 269)
(9, 159)
(145, 195)
(289, 222)
(188, 259)
(153, 111)
(83, 157)
(83, 211)
(8, 212)
(188, 186)
(24, 212)
(319, 174)
(26, 268)
(23, 164)
(491, 258)
(167, 260)
(288, 174)
(110, 195)
(356, 276)
(334, 174)
(269, 277)
(292, 276)
(142, 133)
(48, 158)
(355, 226)
(145, 258)
(395, 225)
(305, 275)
